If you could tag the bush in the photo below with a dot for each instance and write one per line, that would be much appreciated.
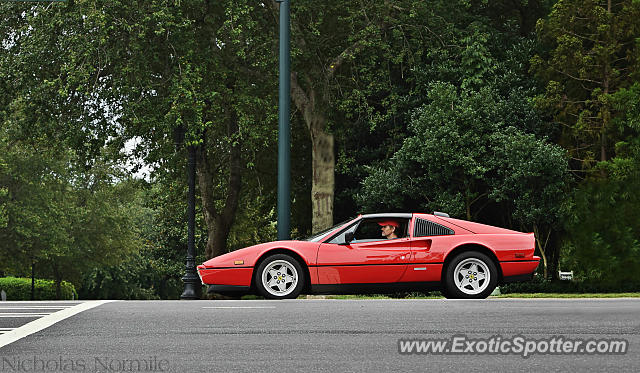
(20, 289)
(539, 285)
(142, 275)
(602, 241)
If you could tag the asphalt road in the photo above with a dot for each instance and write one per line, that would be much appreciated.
(322, 335)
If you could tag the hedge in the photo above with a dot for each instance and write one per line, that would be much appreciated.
(20, 289)
(539, 285)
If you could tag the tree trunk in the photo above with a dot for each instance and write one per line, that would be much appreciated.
(323, 181)
(468, 207)
(606, 114)
(542, 246)
(219, 223)
(323, 158)
(312, 100)
(33, 280)
(553, 255)
(57, 277)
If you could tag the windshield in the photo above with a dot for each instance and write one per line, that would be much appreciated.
(320, 235)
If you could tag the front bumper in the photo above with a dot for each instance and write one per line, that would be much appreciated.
(232, 276)
(228, 289)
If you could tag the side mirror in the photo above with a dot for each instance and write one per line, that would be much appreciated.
(348, 237)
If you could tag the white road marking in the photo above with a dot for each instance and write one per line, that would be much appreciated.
(230, 307)
(27, 302)
(35, 308)
(47, 321)
(24, 314)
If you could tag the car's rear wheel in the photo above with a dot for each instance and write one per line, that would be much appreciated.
(445, 292)
(470, 275)
(279, 277)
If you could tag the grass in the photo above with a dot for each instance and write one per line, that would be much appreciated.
(436, 295)
(379, 296)
(569, 295)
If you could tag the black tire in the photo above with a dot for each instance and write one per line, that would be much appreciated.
(469, 285)
(445, 292)
(285, 266)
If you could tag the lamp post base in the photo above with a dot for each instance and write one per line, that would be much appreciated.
(192, 288)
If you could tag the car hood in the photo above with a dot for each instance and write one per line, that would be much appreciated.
(247, 255)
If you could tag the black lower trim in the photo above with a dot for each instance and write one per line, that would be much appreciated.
(519, 261)
(222, 289)
(518, 278)
(384, 288)
(369, 264)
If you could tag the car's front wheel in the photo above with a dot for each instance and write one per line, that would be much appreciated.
(470, 275)
(279, 277)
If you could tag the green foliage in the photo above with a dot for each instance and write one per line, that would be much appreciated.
(462, 155)
(433, 105)
(590, 69)
(20, 289)
(4, 192)
(472, 45)
(58, 217)
(113, 72)
(627, 149)
(252, 224)
(603, 241)
(592, 54)
(155, 268)
(137, 277)
(58, 214)
(540, 285)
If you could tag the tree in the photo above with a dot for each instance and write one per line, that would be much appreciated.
(464, 158)
(62, 219)
(590, 68)
(4, 219)
(200, 82)
(346, 59)
(197, 74)
(63, 188)
(593, 53)
(410, 46)
(602, 244)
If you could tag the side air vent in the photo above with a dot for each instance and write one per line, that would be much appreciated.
(427, 228)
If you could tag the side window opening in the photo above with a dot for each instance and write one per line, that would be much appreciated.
(369, 229)
(426, 228)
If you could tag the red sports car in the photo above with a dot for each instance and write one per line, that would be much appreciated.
(380, 253)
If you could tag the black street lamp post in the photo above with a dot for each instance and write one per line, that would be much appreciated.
(191, 280)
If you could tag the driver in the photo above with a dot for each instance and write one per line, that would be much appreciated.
(388, 228)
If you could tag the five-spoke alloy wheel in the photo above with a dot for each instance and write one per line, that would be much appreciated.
(279, 277)
(470, 275)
